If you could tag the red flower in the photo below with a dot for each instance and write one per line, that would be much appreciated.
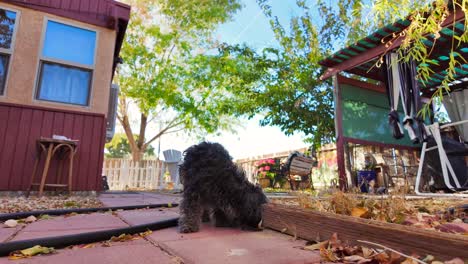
(267, 168)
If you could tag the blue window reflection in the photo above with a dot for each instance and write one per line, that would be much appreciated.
(7, 26)
(70, 44)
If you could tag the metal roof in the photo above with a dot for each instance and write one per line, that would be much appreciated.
(360, 58)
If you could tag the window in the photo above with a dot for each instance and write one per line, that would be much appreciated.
(7, 28)
(66, 64)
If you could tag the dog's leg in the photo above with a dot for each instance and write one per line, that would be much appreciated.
(190, 214)
(222, 220)
(206, 215)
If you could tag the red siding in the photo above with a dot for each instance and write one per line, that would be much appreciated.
(21, 126)
(104, 13)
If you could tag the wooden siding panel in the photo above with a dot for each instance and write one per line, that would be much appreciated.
(78, 126)
(93, 168)
(21, 149)
(20, 128)
(34, 134)
(9, 146)
(85, 150)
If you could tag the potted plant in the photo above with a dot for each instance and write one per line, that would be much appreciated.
(265, 172)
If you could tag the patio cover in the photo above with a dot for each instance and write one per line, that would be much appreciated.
(361, 57)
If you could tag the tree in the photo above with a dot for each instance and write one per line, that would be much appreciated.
(171, 71)
(291, 96)
(120, 148)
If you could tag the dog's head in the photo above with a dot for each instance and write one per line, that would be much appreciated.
(253, 213)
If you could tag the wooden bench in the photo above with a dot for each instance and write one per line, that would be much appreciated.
(298, 169)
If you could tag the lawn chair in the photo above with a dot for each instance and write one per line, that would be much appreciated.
(298, 168)
(172, 159)
(446, 165)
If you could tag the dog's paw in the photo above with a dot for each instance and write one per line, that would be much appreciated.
(251, 228)
(188, 229)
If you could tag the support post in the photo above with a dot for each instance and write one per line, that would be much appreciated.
(343, 183)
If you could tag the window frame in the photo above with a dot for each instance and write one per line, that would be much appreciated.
(11, 51)
(44, 59)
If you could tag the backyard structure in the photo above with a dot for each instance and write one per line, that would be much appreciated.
(57, 63)
(362, 107)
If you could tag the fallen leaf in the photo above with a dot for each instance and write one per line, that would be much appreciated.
(11, 223)
(147, 233)
(169, 205)
(328, 255)
(359, 212)
(428, 258)
(382, 257)
(409, 261)
(317, 246)
(357, 258)
(455, 261)
(334, 241)
(70, 214)
(36, 250)
(29, 252)
(366, 252)
(30, 219)
(394, 257)
(45, 217)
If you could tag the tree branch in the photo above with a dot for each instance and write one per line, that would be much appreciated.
(171, 125)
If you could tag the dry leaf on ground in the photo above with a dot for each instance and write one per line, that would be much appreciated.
(29, 252)
(11, 223)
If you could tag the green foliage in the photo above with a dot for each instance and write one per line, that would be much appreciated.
(120, 148)
(291, 95)
(426, 17)
(175, 72)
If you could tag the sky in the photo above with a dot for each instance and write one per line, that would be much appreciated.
(248, 26)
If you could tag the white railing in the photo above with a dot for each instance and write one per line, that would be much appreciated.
(124, 174)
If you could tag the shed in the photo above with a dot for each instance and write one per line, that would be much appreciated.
(57, 61)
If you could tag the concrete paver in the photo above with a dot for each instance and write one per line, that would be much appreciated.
(136, 252)
(138, 217)
(137, 199)
(224, 245)
(70, 225)
(210, 245)
(5, 233)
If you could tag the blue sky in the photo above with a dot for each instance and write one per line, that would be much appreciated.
(252, 27)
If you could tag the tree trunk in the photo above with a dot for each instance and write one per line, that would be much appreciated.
(137, 156)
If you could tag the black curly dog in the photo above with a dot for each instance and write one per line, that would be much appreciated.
(216, 188)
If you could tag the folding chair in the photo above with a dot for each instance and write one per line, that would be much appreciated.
(434, 130)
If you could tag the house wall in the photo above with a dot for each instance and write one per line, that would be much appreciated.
(23, 71)
(22, 125)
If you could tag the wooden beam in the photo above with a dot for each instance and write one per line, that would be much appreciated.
(379, 144)
(381, 49)
(361, 84)
(312, 225)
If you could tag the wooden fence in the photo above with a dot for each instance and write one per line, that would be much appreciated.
(321, 176)
(124, 174)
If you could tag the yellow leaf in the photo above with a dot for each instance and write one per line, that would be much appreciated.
(147, 233)
(359, 212)
(367, 252)
(36, 250)
(317, 246)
